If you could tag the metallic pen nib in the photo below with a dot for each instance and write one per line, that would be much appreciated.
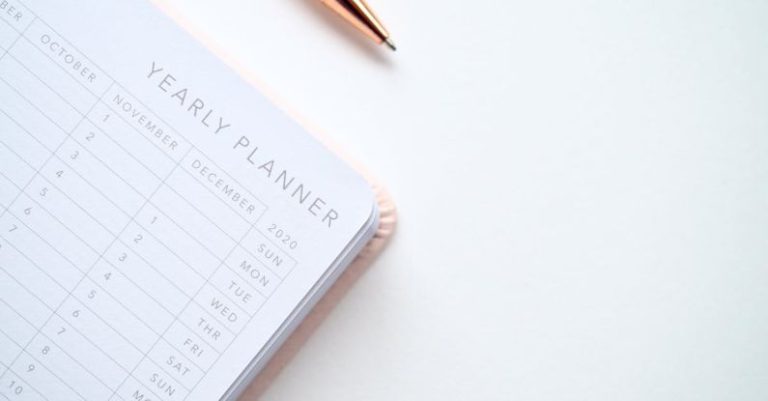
(391, 44)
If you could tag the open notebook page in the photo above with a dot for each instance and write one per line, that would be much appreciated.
(160, 219)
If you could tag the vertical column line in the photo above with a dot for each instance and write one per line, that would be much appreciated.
(146, 202)
(189, 302)
(23, 190)
(21, 34)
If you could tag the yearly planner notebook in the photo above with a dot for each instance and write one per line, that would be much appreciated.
(163, 226)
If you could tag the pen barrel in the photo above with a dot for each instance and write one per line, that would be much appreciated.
(349, 11)
(370, 18)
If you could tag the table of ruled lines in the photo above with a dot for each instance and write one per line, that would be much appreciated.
(125, 272)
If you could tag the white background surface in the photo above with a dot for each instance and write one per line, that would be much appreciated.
(582, 193)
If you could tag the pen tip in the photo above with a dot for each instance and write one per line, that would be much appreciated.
(391, 44)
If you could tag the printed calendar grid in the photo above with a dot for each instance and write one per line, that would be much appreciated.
(33, 325)
(35, 359)
(159, 272)
(159, 338)
(105, 165)
(6, 211)
(116, 206)
(222, 262)
(8, 367)
(117, 84)
(84, 277)
(64, 257)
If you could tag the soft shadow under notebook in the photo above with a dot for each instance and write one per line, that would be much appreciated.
(164, 227)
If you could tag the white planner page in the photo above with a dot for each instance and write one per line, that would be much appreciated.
(159, 218)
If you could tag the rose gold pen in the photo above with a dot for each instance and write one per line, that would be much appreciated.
(362, 17)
